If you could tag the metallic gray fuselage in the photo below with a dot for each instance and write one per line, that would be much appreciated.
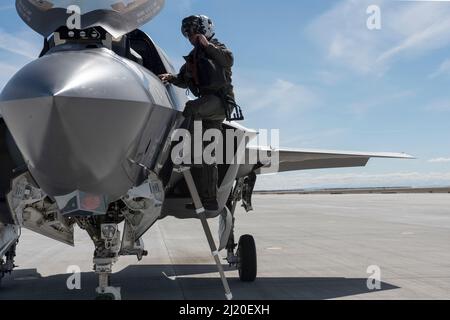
(81, 118)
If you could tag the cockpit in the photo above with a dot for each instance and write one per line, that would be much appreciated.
(136, 46)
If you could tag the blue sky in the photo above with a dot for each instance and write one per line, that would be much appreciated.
(313, 70)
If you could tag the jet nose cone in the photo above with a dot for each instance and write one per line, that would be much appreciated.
(77, 117)
(95, 73)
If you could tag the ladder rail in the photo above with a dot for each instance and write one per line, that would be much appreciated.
(200, 210)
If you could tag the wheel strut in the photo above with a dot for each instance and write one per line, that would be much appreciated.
(103, 268)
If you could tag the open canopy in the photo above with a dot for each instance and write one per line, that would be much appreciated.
(118, 17)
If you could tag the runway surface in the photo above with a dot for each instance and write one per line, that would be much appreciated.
(309, 247)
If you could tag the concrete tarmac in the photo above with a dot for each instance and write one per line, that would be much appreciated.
(309, 247)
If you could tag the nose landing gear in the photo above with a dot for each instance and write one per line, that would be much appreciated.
(106, 254)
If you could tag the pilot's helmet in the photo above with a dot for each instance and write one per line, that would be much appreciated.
(198, 24)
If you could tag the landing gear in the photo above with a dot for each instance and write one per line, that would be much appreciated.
(246, 259)
(104, 290)
(139, 210)
(106, 238)
(106, 254)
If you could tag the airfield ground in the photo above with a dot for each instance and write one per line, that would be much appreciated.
(309, 247)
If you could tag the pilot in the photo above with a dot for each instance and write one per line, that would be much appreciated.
(207, 74)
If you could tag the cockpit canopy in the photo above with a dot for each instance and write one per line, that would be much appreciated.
(117, 17)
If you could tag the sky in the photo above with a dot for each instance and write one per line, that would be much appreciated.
(313, 70)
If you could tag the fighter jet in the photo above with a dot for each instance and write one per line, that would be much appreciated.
(87, 139)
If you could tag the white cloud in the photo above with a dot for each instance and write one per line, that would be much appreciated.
(280, 95)
(432, 37)
(444, 69)
(408, 29)
(17, 49)
(327, 77)
(376, 101)
(24, 44)
(439, 160)
(300, 180)
(315, 137)
(441, 105)
(7, 68)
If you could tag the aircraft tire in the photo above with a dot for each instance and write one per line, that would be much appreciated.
(247, 259)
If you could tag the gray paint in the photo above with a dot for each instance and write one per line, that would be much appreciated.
(79, 125)
(45, 17)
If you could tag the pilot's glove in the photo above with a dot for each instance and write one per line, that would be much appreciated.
(166, 78)
(200, 39)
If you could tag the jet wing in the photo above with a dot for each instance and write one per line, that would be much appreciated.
(305, 159)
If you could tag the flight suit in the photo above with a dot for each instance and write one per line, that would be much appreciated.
(209, 83)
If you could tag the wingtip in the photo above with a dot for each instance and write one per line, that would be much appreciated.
(408, 156)
(397, 155)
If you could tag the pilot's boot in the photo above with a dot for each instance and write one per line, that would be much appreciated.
(208, 187)
(206, 178)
